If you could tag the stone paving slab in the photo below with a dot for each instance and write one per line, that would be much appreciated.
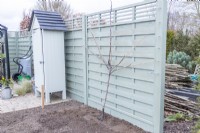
(25, 102)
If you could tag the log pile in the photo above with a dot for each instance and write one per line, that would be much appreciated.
(176, 104)
(177, 77)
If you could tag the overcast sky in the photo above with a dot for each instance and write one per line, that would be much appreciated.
(11, 10)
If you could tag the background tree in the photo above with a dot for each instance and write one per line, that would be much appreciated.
(181, 41)
(197, 7)
(170, 41)
(183, 16)
(193, 48)
(24, 24)
(60, 6)
(194, 6)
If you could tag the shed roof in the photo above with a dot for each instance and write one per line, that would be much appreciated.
(48, 20)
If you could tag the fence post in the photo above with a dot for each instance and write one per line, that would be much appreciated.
(16, 43)
(17, 48)
(160, 50)
(84, 38)
(30, 38)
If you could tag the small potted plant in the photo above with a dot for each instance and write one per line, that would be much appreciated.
(6, 91)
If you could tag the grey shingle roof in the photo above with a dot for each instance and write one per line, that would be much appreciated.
(48, 20)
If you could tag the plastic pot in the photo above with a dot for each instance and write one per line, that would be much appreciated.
(6, 93)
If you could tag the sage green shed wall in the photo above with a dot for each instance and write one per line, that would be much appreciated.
(138, 33)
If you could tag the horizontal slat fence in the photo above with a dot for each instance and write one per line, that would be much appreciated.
(127, 97)
(135, 92)
(19, 43)
(74, 57)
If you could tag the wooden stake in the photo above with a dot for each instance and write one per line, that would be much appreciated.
(42, 97)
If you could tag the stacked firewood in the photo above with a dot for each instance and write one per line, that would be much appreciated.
(177, 77)
(176, 104)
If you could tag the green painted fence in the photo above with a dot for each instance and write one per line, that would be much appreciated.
(138, 33)
(19, 43)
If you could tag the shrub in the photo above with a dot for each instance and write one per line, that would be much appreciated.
(197, 87)
(181, 41)
(26, 87)
(198, 60)
(182, 59)
(198, 101)
(20, 92)
(175, 117)
(2, 56)
(6, 82)
(170, 40)
(196, 128)
(193, 48)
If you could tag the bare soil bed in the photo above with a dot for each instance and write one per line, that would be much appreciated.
(67, 117)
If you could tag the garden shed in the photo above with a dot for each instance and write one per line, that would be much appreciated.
(48, 52)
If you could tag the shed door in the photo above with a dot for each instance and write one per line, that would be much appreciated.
(54, 61)
(38, 59)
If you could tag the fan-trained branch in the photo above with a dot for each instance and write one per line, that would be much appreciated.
(100, 55)
(115, 66)
(110, 48)
(111, 67)
(130, 65)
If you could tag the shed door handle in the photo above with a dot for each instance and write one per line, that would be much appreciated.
(41, 62)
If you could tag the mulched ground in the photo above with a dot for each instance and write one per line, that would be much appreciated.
(179, 127)
(67, 117)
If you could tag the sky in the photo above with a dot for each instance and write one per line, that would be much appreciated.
(11, 11)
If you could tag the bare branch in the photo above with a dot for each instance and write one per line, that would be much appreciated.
(100, 55)
(109, 66)
(110, 48)
(119, 62)
(130, 65)
(59, 6)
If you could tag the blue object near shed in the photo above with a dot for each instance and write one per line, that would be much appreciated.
(48, 52)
